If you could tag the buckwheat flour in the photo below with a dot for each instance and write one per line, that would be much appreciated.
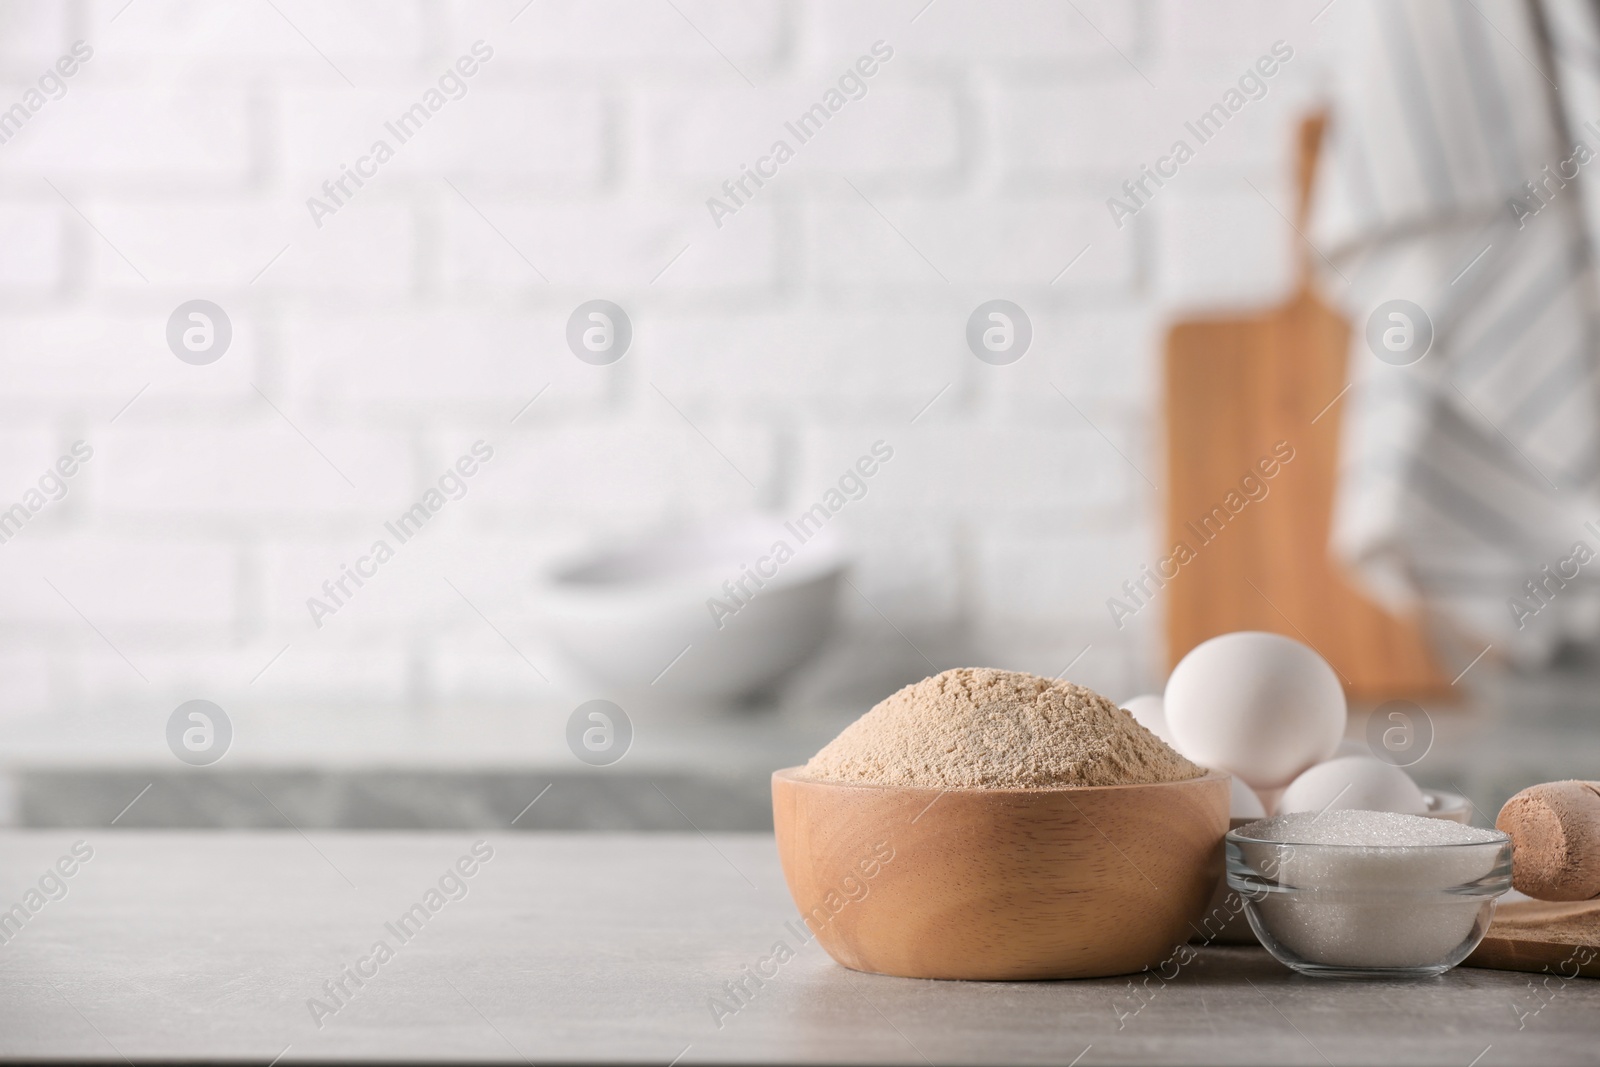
(979, 728)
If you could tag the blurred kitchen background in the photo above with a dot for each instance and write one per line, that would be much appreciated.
(773, 345)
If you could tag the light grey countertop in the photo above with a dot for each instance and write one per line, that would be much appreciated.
(613, 948)
(365, 771)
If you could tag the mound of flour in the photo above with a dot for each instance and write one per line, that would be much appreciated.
(979, 728)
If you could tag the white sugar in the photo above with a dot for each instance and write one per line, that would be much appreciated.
(1374, 829)
(1372, 889)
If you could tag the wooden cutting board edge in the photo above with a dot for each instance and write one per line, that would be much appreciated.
(1523, 950)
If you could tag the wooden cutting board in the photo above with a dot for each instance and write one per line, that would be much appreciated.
(1235, 388)
(1531, 935)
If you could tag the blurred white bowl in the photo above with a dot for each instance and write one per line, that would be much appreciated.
(637, 619)
(1448, 806)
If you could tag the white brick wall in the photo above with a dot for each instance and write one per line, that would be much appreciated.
(422, 314)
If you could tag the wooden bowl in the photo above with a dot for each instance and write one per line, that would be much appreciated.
(1000, 883)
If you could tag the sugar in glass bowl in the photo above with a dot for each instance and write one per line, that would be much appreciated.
(1368, 894)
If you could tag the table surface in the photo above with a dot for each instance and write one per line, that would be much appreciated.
(617, 948)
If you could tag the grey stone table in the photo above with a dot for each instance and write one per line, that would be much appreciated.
(250, 946)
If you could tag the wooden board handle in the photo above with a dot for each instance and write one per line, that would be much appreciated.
(1308, 150)
(1556, 830)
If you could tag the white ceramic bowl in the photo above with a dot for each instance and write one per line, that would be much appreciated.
(1448, 806)
(662, 617)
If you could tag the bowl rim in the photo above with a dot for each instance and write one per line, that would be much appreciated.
(554, 579)
(1500, 840)
(792, 774)
(1456, 801)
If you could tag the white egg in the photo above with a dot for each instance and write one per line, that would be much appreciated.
(1258, 705)
(1359, 783)
(1147, 711)
(1243, 802)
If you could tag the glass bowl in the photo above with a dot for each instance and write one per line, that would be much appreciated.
(1360, 911)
